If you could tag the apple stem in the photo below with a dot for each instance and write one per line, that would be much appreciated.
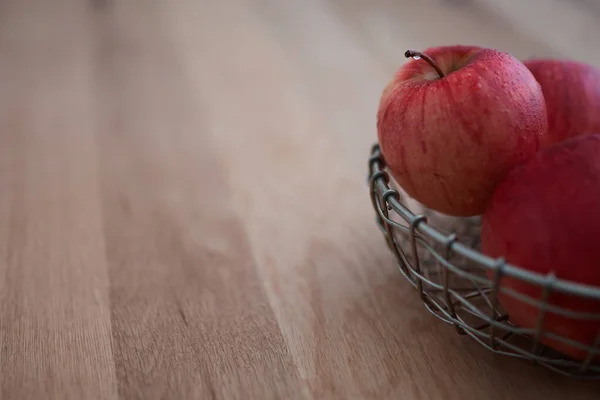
(418, 54)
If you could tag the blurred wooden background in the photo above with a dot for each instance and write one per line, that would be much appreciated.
(184, 212)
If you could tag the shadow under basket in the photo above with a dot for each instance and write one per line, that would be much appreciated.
(439, 256)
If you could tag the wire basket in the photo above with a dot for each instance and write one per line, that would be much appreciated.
(459, 285)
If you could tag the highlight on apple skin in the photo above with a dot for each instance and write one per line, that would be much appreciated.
(545, 217)
(572, 93)
(449, 135)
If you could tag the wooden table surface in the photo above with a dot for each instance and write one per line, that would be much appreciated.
(184, 212)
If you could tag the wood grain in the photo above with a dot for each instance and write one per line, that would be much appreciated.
(184, 211)
(55, 324)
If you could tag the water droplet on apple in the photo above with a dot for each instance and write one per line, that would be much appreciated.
(416, 57)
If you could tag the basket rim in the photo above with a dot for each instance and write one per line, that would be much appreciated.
(379, 178)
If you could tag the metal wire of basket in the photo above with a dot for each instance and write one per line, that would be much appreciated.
(451, 276)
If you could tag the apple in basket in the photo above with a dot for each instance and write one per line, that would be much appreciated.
(454, 120)
(545, 217)
(572, 94)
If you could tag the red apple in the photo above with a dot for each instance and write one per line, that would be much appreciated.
(453, 123)
(545, 217)
(572, 93)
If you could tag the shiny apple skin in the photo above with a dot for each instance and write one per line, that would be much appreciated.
(572, 93)
(545, 218)
(449, 141)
